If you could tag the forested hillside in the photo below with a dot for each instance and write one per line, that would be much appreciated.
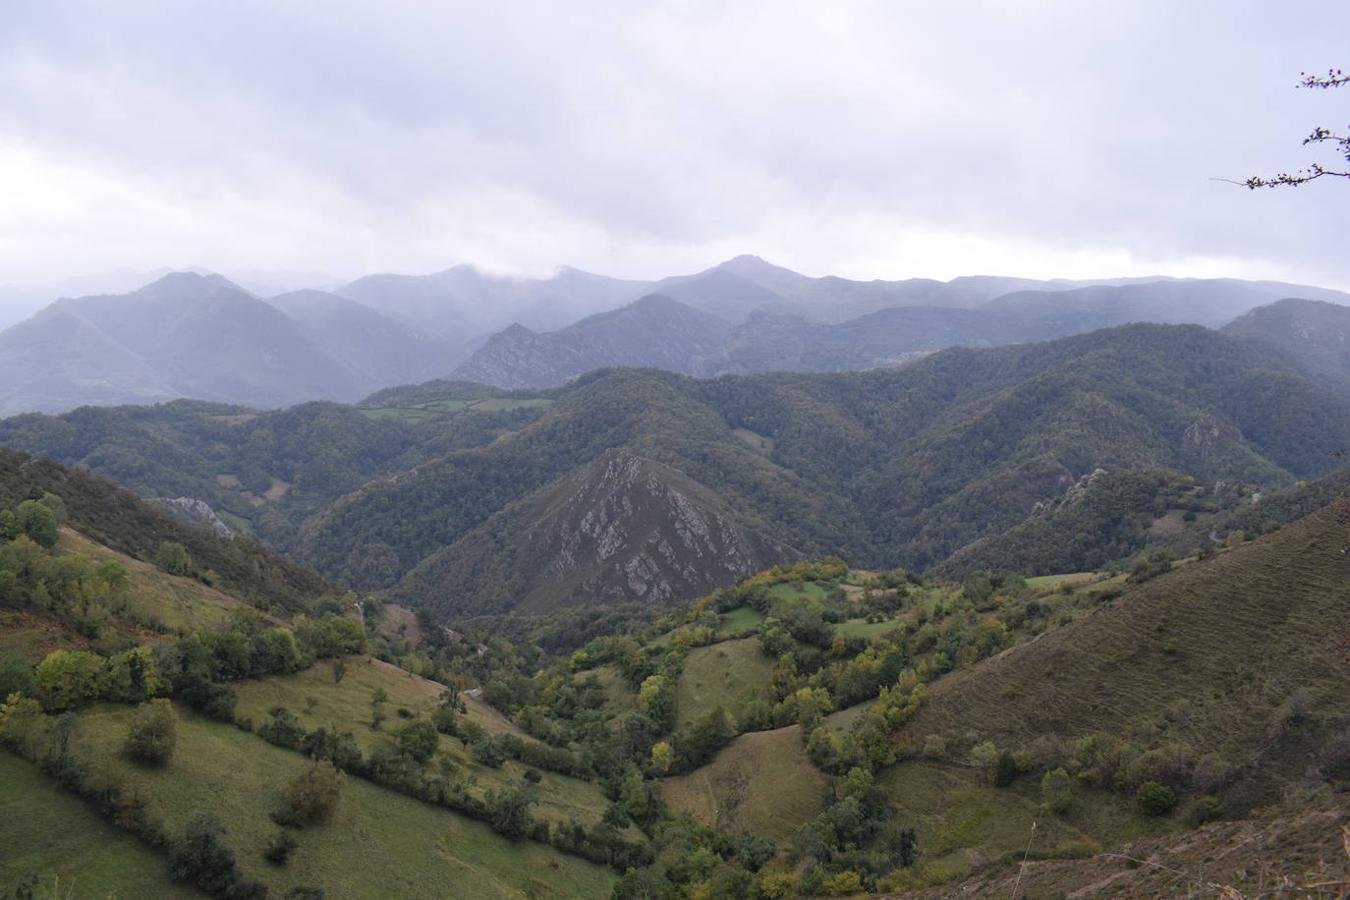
(885, 468)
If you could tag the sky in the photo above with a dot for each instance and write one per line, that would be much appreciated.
(317, 141)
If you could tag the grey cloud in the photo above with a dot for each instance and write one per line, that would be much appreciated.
(642, 139)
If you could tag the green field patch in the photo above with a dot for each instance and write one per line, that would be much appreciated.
(761, 782)
(841, 721)
(346, 706)
(619, 697)
(48, 833)
(738, 621)
(502, 404)
(728, 674)
(797, 592)
(857, 628)
(429, 410)
(753, 440)
(378, 844)
(1047, 583)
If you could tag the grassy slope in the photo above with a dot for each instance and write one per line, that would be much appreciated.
(180, 604)
(347, 705)
(1203, 655)
(183, 604)
(48, 833)
(761, 783)
(379, 843)
(1225, 859)
(728, 674)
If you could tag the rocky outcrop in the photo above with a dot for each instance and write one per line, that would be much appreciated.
(624, 529)
(194, 512)
(1079, 489)
(629, 528)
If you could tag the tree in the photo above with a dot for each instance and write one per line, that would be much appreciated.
(199, 856)
(1057, 790)
(1155, 798)
(280, 847)
(378, 698)
(1334, 78)
(509, 812)
(172, 557)
(418, 740)
(154, 732)
(662, 757)
(311, 796)
(69, 678)
(1005, 770)
(38, 521)
(132, 676)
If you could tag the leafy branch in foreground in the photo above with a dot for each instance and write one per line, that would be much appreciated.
(1320, 135)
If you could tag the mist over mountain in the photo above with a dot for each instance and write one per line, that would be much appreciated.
(201, 336)
(789, 322)
(378, 350)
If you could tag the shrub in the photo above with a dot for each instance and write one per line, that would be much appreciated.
(154, 733)
(1005, 770)
(1057, 790)
(280, 846)
(172, 557)
(283, 729)
(1155, 799)
(486, 751)
(312, 795)
(418, 740)
(509, 812)
(846, 882)
(69, 678)
(443, 719)
(198, 856)
(935, 745)
(1204, 809)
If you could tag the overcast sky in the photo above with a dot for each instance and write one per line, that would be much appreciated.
(882, 140)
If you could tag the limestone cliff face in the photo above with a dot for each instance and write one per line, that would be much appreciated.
(194, 512)
(624, 529)
(629, 528)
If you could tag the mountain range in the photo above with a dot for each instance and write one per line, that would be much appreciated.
(200, 336)
(653, 486)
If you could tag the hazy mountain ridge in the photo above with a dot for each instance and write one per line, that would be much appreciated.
(798, 330)
(199, 336)
(654, 331)
(1312, 336)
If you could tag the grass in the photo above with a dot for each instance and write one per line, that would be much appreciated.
(1203, 656)
(739, 621)
(346, 705)
(1048, 583)
(378, 844)
(46, 832)
(842, 720)
(857, 628)
(182, 604)
(754, 441)
(728, 674)
(417, 413)
(796, 592)
(761, 782)
(619, 697)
